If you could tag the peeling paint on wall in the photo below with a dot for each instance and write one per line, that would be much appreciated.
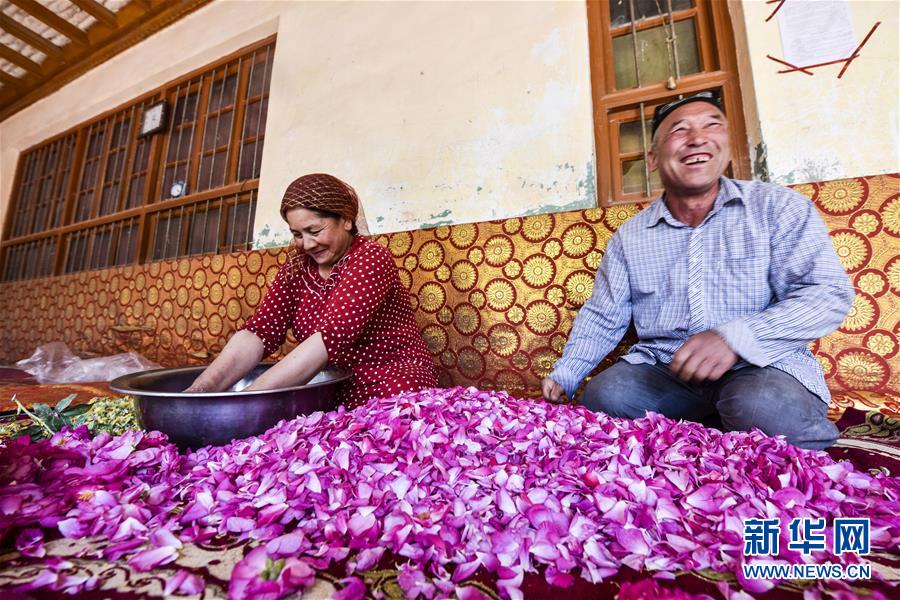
(761, 163)
(587, 186)
(807, 169)
(489, 117)
(442, 220)
(272, 237)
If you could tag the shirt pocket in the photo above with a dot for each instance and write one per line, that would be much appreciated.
(742, 284)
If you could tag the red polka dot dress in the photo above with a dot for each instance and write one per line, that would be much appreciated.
(364, 315)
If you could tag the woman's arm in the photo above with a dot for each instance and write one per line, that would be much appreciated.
(297, 368)
(242, 352)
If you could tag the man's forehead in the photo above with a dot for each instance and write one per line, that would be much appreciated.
(694, 109)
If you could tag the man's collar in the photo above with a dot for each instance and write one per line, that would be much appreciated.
(659, 210)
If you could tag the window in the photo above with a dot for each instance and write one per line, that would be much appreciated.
(101, 195)
(645, 53)
(216, 225)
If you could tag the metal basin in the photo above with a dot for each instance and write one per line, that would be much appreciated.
(202, 419)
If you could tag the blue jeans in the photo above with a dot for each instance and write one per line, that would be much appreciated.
(765, 398)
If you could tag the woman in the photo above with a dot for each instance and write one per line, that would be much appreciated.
(341, 295)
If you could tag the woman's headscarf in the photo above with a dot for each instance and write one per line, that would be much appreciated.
(319, 191)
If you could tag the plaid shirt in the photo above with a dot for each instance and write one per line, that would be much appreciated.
(760, 271)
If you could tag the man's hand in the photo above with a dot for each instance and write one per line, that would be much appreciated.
(704, 357)
(553, 392)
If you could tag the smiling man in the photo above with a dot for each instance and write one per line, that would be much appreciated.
(727, 283)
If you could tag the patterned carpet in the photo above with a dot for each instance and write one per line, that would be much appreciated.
(870, 439)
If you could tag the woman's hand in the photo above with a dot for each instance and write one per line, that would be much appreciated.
(242, 352)
(297, 368)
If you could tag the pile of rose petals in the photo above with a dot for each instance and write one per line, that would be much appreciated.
(449, 481)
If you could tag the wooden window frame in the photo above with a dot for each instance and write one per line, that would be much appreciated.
(25, 242)
(719, 70)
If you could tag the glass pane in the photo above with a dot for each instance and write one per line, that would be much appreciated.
(76, 251)
(167, 238)
(180, 144)
(212, 171)
(8, 266)
(115, 164)
(688, 52)
(101, 250)
(620, 11)
(630, 136)
(59, 201)
(260, 73)
(141, 154)
(653, 54)
(136, 192)
(126, 245)
(250, 161)
(52, 158)
(633, 177)
(40, 217)
(96, 144)
(204, 233)
(220, 95)
(109, 199)
(185, 109)
(120, 132)
(218, 130)
(238, 228)
(47, 259)
(31, 252)
(84, 206)
(253, 124)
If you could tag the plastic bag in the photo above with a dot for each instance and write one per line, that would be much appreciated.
(55, 363)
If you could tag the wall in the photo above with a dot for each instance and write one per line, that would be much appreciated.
(437, 113)
(819, 127)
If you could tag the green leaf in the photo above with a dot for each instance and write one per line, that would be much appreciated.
(35, 432)
(65, 402)
(41, 410)
(55, 423)
(78, 410)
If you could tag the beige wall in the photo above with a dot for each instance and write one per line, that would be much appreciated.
(438, 113)
(819, 127)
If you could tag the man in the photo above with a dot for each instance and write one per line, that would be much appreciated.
(727, 282)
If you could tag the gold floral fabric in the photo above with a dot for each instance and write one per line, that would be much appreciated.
(494, 300)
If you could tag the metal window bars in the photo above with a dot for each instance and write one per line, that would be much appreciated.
(108, 245)
(29, 260)
(255, 110)
(220, 224)
(70, 190)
